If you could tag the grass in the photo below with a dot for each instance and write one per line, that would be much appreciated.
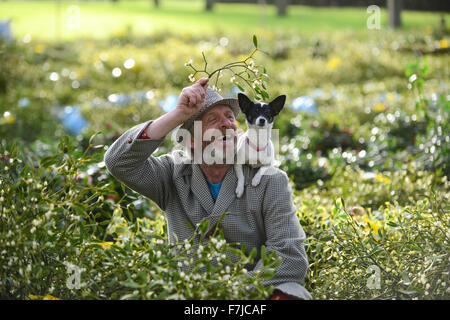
(40, 19)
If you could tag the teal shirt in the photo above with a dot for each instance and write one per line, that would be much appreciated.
(214, 188)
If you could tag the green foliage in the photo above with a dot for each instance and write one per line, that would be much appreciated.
(406, 240)
(242, 72)
(18, 74)
(379, 143)
(52, 219)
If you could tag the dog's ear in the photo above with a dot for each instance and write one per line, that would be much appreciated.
(244, 102)
(277, 104)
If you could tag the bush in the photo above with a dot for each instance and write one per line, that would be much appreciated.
(379, 141)
(393, 253)
(56, 223)
(403, 236)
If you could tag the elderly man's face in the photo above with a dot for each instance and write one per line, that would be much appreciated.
(219, 130)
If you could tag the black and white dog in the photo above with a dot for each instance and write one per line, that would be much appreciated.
(254, 147)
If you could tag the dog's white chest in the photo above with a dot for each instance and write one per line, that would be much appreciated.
(254, 154)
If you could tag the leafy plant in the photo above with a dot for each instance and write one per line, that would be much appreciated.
(406, 246)
(381, 146)
(54, 221)
(242, 71)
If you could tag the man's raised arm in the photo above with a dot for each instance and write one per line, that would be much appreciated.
(190, 101)
(129, 157)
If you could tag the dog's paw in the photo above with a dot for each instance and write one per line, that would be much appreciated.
(256, 180)
(239, 190)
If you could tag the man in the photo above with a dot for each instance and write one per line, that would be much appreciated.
(264, 215)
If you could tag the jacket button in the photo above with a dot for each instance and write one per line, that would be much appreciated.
(129, 140)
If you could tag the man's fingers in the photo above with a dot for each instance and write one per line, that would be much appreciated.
(191, 96)
(203, 82)
(192, 100)
(196, 93)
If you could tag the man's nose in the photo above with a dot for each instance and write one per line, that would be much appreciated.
(228, 123)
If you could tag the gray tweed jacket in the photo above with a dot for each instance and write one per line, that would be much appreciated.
(264, 215)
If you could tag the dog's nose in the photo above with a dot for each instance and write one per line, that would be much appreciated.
(261, 122)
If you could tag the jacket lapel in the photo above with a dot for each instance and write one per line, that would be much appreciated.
(200, 189)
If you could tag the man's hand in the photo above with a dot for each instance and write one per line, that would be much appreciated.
(191, 99)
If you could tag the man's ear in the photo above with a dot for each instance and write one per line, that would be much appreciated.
(277, 104)
(244, 102)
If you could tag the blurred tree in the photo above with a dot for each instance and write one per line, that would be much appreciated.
(282, 7)
(155, 2)
(443, 27)
(395, 10)
(209, 5)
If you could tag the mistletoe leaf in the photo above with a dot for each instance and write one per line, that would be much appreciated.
(255, 41)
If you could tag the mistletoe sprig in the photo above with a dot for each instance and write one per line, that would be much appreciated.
(242, 72)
